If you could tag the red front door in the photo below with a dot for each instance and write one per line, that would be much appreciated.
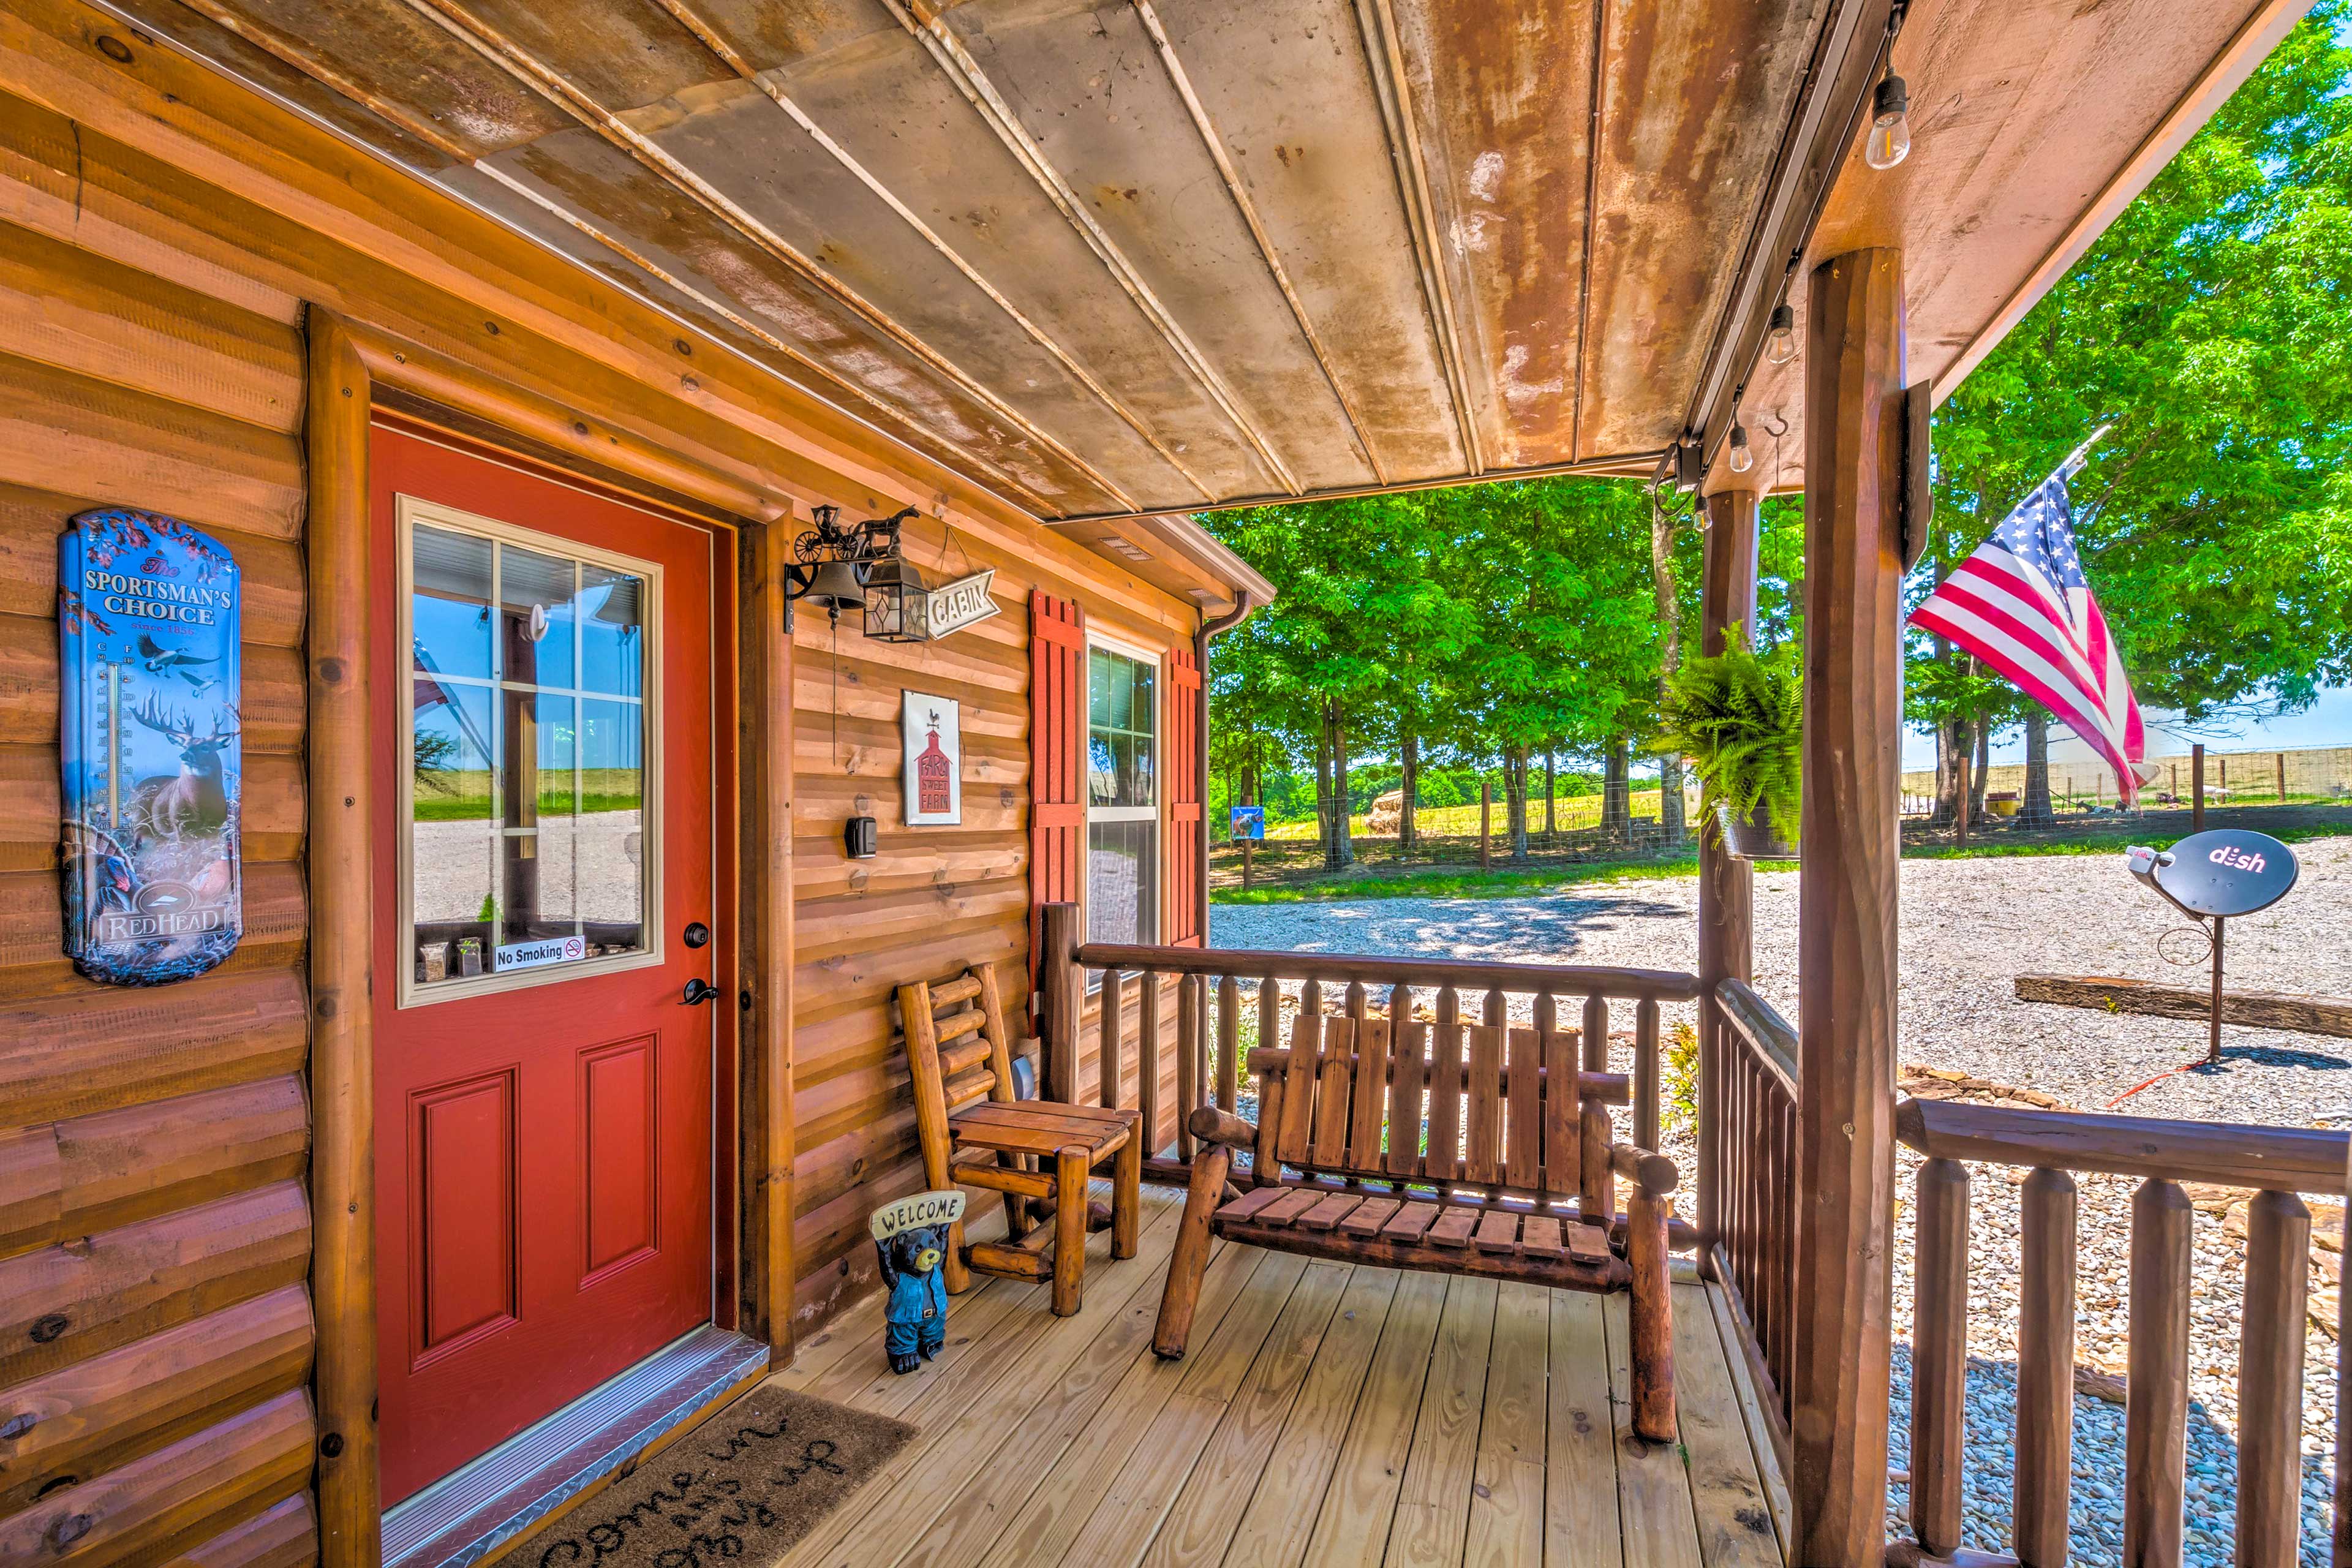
(544, 881)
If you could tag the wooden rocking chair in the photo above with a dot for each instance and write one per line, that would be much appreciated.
(974, 1132)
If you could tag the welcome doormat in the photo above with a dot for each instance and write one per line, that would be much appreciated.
(740, 1488)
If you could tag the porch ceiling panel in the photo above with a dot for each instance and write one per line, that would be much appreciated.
(1682, 156)
(1290, 95)
(1098, 100)
(598, 190)
(963, 199)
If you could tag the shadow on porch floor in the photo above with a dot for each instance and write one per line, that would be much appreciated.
(1328, 1414)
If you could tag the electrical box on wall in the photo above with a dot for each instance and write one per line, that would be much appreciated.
(859, 836)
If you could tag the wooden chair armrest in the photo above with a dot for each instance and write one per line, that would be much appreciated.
(1655, 1174)
(1214, 1126)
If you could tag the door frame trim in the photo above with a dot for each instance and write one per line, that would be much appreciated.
(351, 367)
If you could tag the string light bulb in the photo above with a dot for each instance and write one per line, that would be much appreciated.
(1890, 123)
(1781, 340)
(1742, 457)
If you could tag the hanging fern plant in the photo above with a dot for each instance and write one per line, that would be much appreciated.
(1738, 718)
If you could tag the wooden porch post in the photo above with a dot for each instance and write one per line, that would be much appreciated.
(1726, 886)
(1845, 1138)
(765, 1101)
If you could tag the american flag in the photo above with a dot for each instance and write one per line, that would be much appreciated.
(2022, 604)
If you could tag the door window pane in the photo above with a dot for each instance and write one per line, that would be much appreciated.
(527, 811)
(449, 606)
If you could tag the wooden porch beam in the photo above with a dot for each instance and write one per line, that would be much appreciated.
(1845, 1136)
(1726, 886)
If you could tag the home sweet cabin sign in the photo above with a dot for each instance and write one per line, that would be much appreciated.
(150, 751)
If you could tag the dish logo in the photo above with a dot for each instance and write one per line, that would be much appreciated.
(2235, 858)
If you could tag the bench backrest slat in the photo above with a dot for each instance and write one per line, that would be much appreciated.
(1442, 1160)
(1371, 1090)
(1482, 1139)
(1523, 1159)
(1408, 1061)
(1331, 1102)
(1563, 1125)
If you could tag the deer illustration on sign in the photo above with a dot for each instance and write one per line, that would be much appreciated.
(934, 759)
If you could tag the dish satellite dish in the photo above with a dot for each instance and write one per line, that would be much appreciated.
(2211, 877)
(2227, 871)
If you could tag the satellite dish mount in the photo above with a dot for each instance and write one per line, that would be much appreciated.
(2211, 877)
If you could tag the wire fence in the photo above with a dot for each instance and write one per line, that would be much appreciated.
(2292, 791)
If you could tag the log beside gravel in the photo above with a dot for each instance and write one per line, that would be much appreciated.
(2253, 1009)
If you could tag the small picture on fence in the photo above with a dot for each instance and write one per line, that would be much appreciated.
(150, 748)
(1249, 823)
(934, 755)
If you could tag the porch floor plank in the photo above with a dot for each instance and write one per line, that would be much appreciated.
(1032, 1385)
(1330, 1414)
(1433, 1505)
(1736, 1528)
(1654, 1495)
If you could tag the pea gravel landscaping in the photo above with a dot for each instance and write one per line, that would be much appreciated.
(1968, 928)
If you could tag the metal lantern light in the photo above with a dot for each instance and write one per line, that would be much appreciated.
(898, 601)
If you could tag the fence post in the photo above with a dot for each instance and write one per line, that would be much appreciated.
(2281, 772)
(1061, 1000)
(2197, 788)
(1726, 886)
(1838, 1386)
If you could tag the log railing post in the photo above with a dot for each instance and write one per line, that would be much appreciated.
(1192, 1045)
(2155, 1385)
(2043, 1473)
(2270, 1382)
(1939, 1360)
(1645, 1073)
(1852, 697)
(1151, 987)
(1061, 999)
(1111, 1015)
(1726, 941)
(1229, 1043)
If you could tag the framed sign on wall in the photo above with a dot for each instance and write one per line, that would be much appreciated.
(933, 781)
(150, 748)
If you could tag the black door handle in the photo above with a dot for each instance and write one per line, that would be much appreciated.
(699, 991)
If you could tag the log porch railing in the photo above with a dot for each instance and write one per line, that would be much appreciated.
(2275, 1163)
(1748, 1162)
(1208, 1001)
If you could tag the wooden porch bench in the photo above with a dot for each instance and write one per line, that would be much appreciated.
(1330, 1107)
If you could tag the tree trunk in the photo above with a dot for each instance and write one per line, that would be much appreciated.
(1515, 790)
(1323, 783)
(1552, 795)
(1342, 852)
(1408, 790)
(1670, 659)
(2035, 811)
(1951, 736)
(1983, 728)
(1616, 807)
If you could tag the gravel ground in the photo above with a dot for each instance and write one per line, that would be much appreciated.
(1968, 926)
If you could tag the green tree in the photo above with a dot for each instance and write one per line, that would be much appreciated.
(2212, 323)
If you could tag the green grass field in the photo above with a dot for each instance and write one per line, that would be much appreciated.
(464, 794)
(1572, 812)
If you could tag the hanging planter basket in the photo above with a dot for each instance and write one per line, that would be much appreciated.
(1751, 838)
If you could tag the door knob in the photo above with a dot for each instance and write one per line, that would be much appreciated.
(699, 991)
(697, 934)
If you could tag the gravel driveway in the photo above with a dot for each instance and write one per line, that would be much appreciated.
(1968, 926)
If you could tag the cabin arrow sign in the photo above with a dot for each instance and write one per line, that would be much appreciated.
(963, 602)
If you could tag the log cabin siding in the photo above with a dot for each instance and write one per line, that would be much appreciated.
(161, 235)
(156, 1333)
(932, 900)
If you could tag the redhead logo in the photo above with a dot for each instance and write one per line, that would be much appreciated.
(2230, 855)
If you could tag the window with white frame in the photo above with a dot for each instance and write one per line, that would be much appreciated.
(1122, 796)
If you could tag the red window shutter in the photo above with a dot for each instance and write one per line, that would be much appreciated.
(1057, 809)
(1188, 902)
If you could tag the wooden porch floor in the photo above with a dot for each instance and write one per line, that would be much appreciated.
(1328, 1414)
